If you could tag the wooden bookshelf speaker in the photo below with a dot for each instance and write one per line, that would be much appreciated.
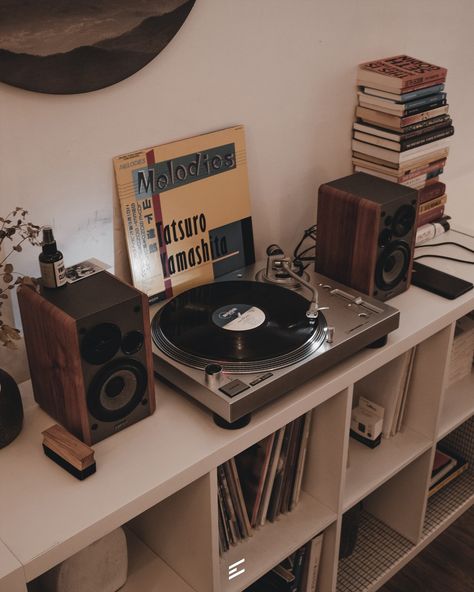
(89, 351)
(366, 234)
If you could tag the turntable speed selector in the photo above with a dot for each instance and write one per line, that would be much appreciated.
(213, 374)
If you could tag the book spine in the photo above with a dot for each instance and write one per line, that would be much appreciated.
(448, 479)
(428, 129)
(422, 175)
(426, 123)
(431, 192)
(425, 115)
(432, 203)
(432, 215)
(422, 92)
(426, 139)
(425, 103)
(405, 97)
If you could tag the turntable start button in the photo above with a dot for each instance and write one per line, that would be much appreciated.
(233, 388)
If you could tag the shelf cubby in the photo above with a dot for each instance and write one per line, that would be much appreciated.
(371, 467)
(273, 542)
(455, 497)
(182, 531)
(458, 405)
(147, 571)
(378, 551)
(317, 508)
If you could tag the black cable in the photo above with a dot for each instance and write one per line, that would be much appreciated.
(444, 256)
(299, 257)
(445, 243)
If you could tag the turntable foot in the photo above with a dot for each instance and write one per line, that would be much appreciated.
(378, 342)
(232, 425)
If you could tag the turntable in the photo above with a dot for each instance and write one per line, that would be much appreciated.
(252, 335)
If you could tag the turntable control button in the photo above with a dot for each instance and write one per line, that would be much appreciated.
(261, 378)
(233, 388)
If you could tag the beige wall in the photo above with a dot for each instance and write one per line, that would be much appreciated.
(285, 69)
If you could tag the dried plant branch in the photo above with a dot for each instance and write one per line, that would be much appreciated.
(16, 229)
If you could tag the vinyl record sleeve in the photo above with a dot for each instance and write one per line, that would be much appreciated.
(186, 211)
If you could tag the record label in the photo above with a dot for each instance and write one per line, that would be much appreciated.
(238, 317)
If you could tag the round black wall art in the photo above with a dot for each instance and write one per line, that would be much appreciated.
(64, 47)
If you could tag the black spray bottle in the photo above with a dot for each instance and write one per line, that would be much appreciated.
(53, 274)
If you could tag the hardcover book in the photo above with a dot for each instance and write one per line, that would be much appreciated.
(432, 215)
(186, 211)
(400, 73)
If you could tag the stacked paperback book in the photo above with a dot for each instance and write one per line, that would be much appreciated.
(446, 467)
(261, 482)
(297, 573)
(402, 128)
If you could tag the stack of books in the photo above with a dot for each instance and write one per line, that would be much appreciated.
(261, 482)
(402, 128)
(447, 466)
(297, 573)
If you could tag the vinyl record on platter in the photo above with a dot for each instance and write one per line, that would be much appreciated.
(236, 321)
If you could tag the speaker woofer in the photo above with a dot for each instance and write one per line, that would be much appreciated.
(392, 265)
(101, 343)
(117, 389)
(403, 220)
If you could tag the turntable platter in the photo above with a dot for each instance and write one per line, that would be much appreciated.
(237, 322)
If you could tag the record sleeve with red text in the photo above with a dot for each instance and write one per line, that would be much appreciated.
(186, 211)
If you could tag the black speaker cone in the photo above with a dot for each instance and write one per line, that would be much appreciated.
(101, 343)
(403, 220)
(392, 265)
(117, 389)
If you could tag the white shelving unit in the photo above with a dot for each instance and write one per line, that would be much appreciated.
(159, 479)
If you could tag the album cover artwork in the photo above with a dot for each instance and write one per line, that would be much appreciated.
(186, 211)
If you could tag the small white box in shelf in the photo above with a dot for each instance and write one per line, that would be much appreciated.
(462, 352)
